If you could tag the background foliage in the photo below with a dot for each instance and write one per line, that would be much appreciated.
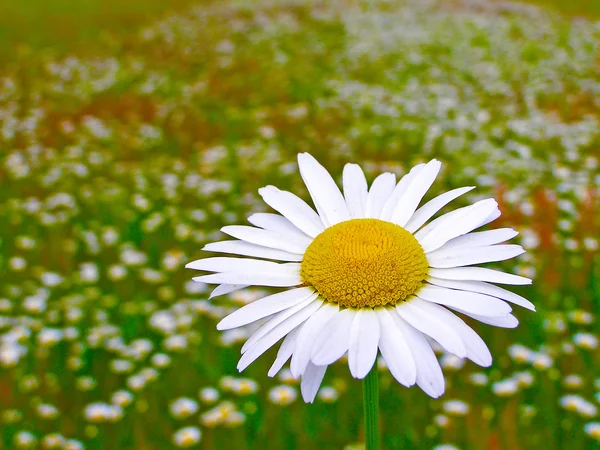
(130, 132)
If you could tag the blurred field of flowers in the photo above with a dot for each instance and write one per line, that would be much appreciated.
(119, 163)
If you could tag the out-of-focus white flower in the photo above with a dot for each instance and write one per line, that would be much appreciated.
(187, 437)
(283, 395)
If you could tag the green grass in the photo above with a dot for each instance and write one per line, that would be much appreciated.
(70, 25)
(123, 152)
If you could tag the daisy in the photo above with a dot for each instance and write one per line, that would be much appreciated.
(366, 274)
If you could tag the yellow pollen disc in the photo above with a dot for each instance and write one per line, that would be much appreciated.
(364, 262)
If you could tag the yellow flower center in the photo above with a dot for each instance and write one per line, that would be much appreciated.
(364, 262)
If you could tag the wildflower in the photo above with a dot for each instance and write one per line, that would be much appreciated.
(505, 388)
(283, 395)
(573, 381)
(585, 341)
(365, 275)
(208, 395)
(578, 404)
(53, 441)
(456, 407)
(24, 439)
(478, 379)
(328, 394)
(592, 429)
(187, 437)
(122, 398)
(183, 408)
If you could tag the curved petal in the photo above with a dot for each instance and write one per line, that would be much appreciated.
(325, 194)
(468, 256)
(429, 373)
(484, 288)
(429, 209)
(416, 190)
(433, 327)
(223, 289)
(308, 335)
(275, 320)
(394, 197)
(355, 190)
(479, 239)
(247, 249)
(334, 339)
(273, 336)
(508, 321)
(265, 307)
(279, 224)
(311, 381)
(477, 350)
(226, 264)
(294, 209)
(454, 224)
(478, 274)
(364, 340)
(380, 191)
(395, 350)
(278, 275)
(284, 353)
(272, 239)
(467, 301)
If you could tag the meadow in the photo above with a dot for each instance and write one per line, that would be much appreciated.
(125, 152)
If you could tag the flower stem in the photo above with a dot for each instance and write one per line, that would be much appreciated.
(371, 409)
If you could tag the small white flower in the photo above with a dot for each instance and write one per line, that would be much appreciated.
(283, 395)
(187, 437)
(183, 408)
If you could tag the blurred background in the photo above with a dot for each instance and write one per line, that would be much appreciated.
(131, 131)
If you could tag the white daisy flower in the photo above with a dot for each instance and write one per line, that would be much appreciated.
(365, 274)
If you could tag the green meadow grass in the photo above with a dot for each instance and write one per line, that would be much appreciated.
(130, 133)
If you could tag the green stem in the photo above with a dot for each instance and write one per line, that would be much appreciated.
(371, 408)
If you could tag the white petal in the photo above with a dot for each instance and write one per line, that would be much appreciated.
(429, 209)
(479, 239)
(247, 249)
(433, 327)
(478, 274)
(415, 192)
(325, 194)
(271, 338)
(477, 351)
(271, 239)
(311, 381)
(355, 190)
(264, 307)
(333, 341)
(394, 197)
(395, 350)
(476, 255)
(454, 224)
(308, 335)
(484, 288)
(493, 216)
(275, 320)
(223, 289)
(294, 209)
(284, 353)
(508, 321)
(226, 264)
(429, 373)
(277, 223)
(364, 338)
(467, 301)
(380, 191)
(279, 275)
